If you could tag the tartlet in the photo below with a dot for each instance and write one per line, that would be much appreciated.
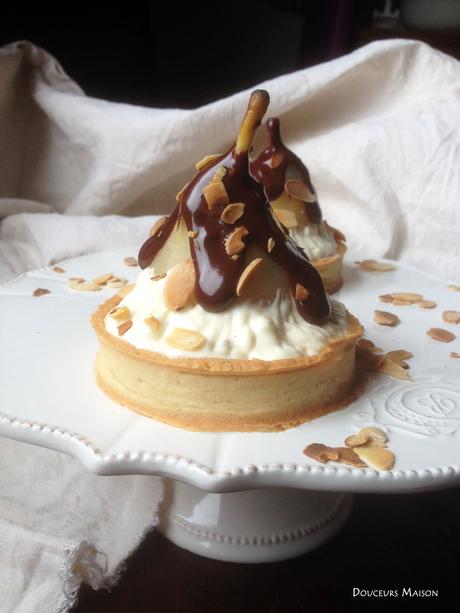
(288, 187)
(228, 326)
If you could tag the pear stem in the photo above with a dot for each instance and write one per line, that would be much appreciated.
(257, 106)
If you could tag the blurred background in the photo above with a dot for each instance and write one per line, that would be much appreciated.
(178, 54)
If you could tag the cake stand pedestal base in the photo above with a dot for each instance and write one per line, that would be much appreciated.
(264, 525)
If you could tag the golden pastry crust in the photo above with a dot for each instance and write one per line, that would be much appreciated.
(330, 269)
(214, 394)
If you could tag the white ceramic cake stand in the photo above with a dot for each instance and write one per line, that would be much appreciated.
(246, 497)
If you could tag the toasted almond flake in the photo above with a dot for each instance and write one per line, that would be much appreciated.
(454, 354)
(153, 324)
(130, 261)
(427, 304)
(232, 212)
(247, 273)
(374, 266)
(124, 327)
(453, 288)
(179, 193)
(179, 286)
(337, 234)
(192, 233)
(407, 297)
(215, 194)
(85, 286)
(234, 257)
(393, 369)
(219, 174)
(439, 334)
(367, 344)
(367, 359)
(301, 293)
(321, 453)
(300, 190)
(399, 302)
(355, 440)
(162, 275)
(75, 280)
(58, 269)
(270, 244)
(277, 159)
(40, 291)
(187, 340)
(102, 279)
(383, 318)
(125, 290)
(116, 282)
(158, 225)
(234, 241)
(120, 313)
(379, 458)
(350, 457)
(386, 298)
(451, 317)
(376, 435)
(398, 355)
(207, 160)
(286, 218)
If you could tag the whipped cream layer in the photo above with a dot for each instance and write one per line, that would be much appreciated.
(246, 330)
(315, 239)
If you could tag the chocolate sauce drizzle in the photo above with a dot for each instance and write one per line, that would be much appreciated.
(271, 166)
(217, 273)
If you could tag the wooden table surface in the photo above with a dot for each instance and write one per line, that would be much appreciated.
(389, 542)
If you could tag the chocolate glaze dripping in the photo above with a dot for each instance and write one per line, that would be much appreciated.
(217, 273)
(273, 177)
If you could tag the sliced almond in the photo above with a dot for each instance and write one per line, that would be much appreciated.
(207, 160)
(439, 334)
(58, 269)
(374, 266)
(158, 225)
(277, 159)
(300, 190)
(393, 369)
(367, 359)
(120, 313)
(153, 324)
(116, 282)
(350, 457)
(426, 304)
(376, 435)
(398, 355)
(179, 193)
(383, 318)
(179, 286)
(188, 340)
(386, 298)
(301, 293)
(232, 212)
(410, 297)
(368, 344)
(321, 453)
(85, 286)
(192, 233)
(355, 440)
(124, 327)
(451, 317)
(379, 458)
(234, 257)
(130, 261)
(454, 354)
(247, 273)
(102, 279)
(40, 291)
(399, 302)
(219, 174)
(234, 241)
(337, 234)
(75, 280)
(270, 244)
(286, 218)
(125, 290)
(453, 288)
(162, 275)
(215, 194)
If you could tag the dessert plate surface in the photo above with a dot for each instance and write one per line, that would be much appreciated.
(49, 396)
